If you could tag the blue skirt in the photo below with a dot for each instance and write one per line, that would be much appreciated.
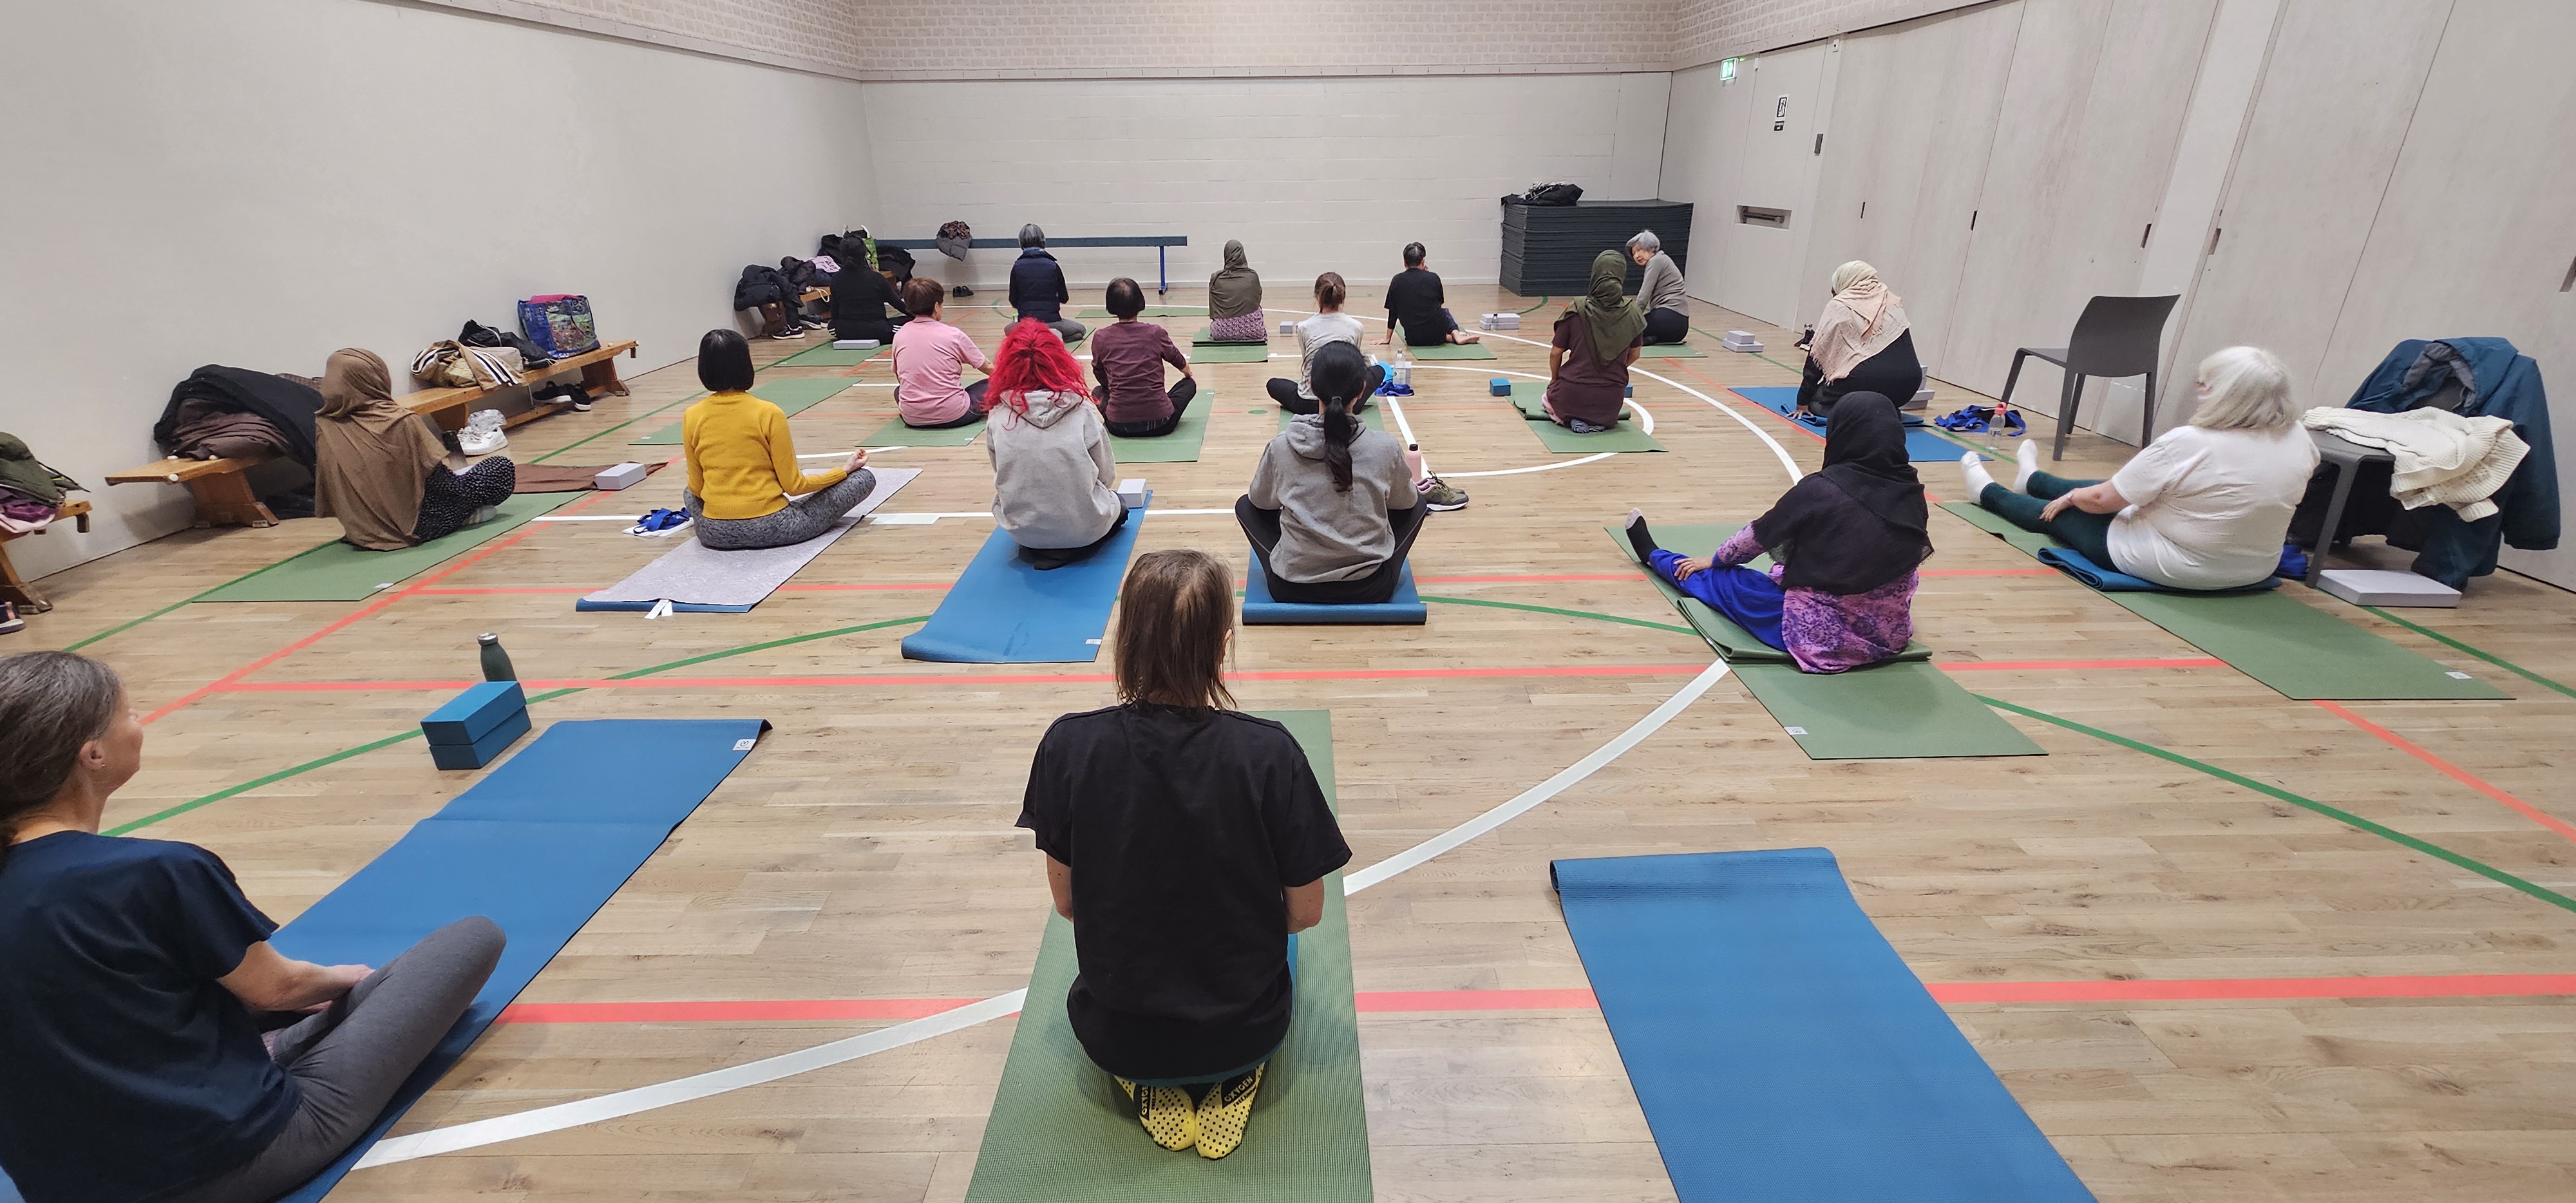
(1751, 599)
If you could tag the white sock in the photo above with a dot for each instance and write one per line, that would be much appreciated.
(2028, 455)
(1974, 470)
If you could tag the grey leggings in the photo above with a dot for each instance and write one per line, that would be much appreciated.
(802, 519)
(351, 1059)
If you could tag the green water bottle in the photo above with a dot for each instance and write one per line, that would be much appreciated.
(496, 662)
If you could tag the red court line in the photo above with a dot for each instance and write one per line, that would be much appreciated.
(595, 588)
(2455, 772)
(2475, 985)
(1355, 674)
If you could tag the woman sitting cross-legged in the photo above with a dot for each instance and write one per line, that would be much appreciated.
(136, 983)
(861, 298)
(1055, 485)
(1234, 300)
(1844, 543)
(1187, 842)
(380, 469)
(1862, 344)
(1596, 340)
(1333, 509)
(1127, 357)
(2204, 506)
(1329, 325)
(746, 490)
(930, 362)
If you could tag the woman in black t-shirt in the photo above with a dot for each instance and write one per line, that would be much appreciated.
(139, 983)
(1187, 842)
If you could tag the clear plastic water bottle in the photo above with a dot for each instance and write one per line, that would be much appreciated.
(496, 662)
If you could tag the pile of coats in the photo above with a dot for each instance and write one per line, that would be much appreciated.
(220, 412)
(30, 492)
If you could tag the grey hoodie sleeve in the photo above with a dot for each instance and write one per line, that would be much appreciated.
(1100, 454)
(1265, 475)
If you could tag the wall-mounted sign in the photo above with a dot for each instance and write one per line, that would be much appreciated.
(1780, 114)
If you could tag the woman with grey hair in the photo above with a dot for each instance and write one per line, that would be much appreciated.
(2204, 506)
(152, 1044)
(1037, 286)
(1660, 293)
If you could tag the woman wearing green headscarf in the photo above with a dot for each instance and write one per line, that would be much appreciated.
(1596, 340)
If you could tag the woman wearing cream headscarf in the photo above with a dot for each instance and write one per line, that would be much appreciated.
(1596, 340)
(1234, 300)
(1861, 344)
(380, 469)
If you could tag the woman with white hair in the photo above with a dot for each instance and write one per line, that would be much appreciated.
(1861, 344)
(1660, 293)
(2204, 506)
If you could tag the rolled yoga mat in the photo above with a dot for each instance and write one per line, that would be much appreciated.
(1530, 397)
(336, 571)
(2299, 650)
(537, 846)
(1181, 446)
(1062, 1132)
(1404, 609)
(1781, 1050)
(1002, 610)
(697, 579)
(792, 396)
(1921, 444)
(829, 356)
(1906, 707)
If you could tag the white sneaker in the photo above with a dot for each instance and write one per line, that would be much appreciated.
(483, 515)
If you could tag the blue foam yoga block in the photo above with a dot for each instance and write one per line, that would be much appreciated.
(479, 753)
(1500, 386)
(1259, 610)
(471, 715)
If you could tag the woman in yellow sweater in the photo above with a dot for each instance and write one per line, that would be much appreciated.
(745, 490)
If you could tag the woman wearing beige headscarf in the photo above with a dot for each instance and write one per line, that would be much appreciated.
(1861, 344)
(380, 469)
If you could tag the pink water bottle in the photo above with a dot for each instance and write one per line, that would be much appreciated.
(1413, 459)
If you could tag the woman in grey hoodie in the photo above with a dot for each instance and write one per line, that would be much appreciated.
(1332, 511)
(1055, 485)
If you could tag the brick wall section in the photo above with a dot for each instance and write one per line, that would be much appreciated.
(1708, 30)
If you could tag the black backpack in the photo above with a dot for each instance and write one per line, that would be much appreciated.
(476, 334)
(1548, 194)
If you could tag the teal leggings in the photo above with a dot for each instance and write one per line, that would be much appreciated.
(2086, 533)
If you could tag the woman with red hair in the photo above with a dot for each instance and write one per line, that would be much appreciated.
(1055, 485)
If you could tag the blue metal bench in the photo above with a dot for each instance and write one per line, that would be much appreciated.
(1162, 244)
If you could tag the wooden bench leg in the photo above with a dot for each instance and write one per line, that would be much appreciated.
(16, 590)
(226, 500)
(600, 379)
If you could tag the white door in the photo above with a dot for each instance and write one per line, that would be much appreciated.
(1704, 132)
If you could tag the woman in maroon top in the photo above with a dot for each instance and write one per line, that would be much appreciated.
(1127, 359)
(1596, 340)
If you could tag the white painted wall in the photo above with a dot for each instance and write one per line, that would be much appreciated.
(260, 182)
(1312, 175)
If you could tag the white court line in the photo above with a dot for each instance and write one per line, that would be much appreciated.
(706, 1085)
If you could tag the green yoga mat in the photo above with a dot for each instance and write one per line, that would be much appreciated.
(1062, 1132)
(1179, 447)
(1229, 352)
(1530, 397)
(1103, 315)
(1671, 351)
(1374, 417)
(792, 397)
(829, 356)
(1906, 707)
(336, 571)
(2303, 652)
(895, 434)
(1439, 351)
(1204, 337)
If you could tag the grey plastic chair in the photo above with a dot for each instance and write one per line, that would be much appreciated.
(2115, 337)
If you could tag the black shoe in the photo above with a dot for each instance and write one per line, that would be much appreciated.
(1640, 540)
(961, 291)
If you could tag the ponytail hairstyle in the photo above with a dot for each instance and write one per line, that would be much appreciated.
(1173, 615)
(51, 704)
(1330, 291)
(1032, 358)
(1339, 373)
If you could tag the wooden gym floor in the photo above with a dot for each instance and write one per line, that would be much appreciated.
(866, 851)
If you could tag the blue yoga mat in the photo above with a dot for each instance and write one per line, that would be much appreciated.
(1261, 609)
(2111, 580)
(1781, 1050)
(1921, 445)
(1003, 611)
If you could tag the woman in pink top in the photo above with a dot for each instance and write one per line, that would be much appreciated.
(930, 359)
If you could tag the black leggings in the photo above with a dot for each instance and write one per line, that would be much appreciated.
(974, 410)
(1284, 392)
(2086, 533)
(448, 500)
(855, 329)
(1262, 527)
(1666, 326)
(1181, 395)
(1048, 559)
(1893, 373)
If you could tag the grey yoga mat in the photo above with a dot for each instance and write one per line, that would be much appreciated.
(696, 579)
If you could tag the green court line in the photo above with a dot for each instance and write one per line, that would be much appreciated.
(612, 430)
(2345, 817)
(131, 623)
(2498, 661)
(1541, 304)
(549, 695)
(1504, 605)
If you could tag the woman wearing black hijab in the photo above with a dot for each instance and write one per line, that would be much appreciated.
(1844, 543)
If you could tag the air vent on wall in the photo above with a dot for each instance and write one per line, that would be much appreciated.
(1755, 215)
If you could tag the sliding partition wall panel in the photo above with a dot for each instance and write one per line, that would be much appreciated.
(1860, 139)
(1959, 80)
(2476, 231)
(2091, 116)
(2338, 91)
(1790, 91)
(1704, 132)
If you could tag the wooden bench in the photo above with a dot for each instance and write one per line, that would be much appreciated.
(14, 588)
(223, 493)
